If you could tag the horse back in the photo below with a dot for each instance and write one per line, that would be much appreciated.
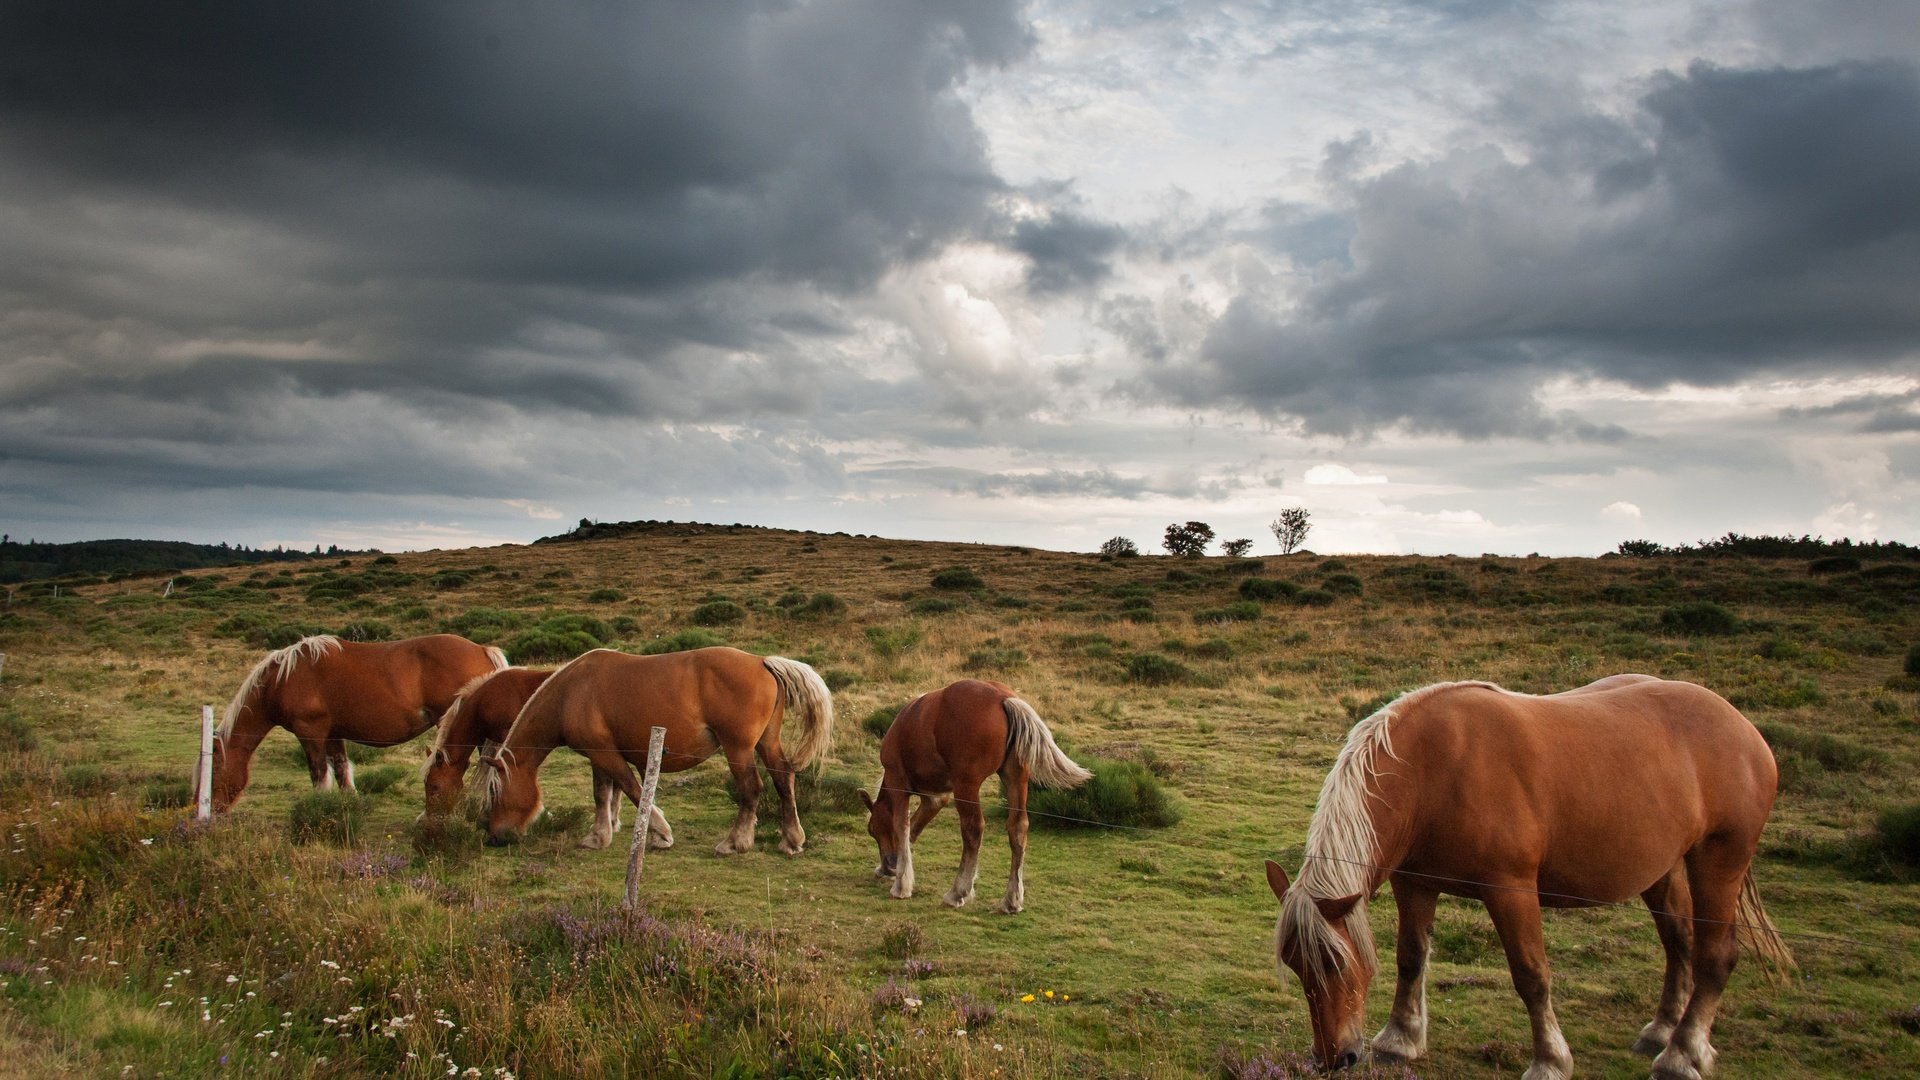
(957, 733)
(372, 691)
(705, 698)
(1599, 788)
(492, 706)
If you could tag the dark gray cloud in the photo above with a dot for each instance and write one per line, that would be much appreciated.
(622, 210)
(1066, 251)
(1742, 222)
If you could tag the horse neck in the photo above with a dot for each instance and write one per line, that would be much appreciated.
(1361, 829)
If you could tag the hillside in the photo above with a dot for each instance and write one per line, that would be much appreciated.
(406, 951)
(127, 558)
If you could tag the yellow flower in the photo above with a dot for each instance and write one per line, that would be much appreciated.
(1026, 997)
(1049, 993)
(1066, 997)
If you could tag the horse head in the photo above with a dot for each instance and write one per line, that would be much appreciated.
(1313, 940)
(880, 827)
(443, 779)
(513, 798)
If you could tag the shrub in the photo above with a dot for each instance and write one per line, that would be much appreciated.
(891, 642)
(1314, 598)
(1120, 548)
(1898, 833)
(605, 596)
(879, 720)
(1154, 669)
(933, 605)
(1639, 549)
(450, 579)
(1913, 661)
(331, 817)
(818, 605)
(385, 560)
(1123, 793)
(958, 577)
(994, 659)
(718, 613)
(541, 645)
(287, 634)
(1259, 588)
(1343, 585)
(486, 624)
(1236, 549)
(166, 794)
(85, 778)
(1834, 564)
(682, 641)
(381, 780)
(1243, 611)
(1699, 617)
(365, 630)
(1136, 603)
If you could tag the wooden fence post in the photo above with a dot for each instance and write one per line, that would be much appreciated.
(3, 664)
(204, 811)
(643, 822)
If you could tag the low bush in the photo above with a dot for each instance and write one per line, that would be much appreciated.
(1258, 588)
(932, 605)
(160, 794)
(605, 596)
(328, 817)
(892, 641)
(718, 613)
(487, 624)
(1913, 661)
(819, 605)
(1154, 669)
(1121, 793)
(365, 630)
(1243, 611)
(1314, 598)
(877, 722)
(994, 659)
(1898, 834)
(1834, 564)
(561, 637)
(379, 781)
(1343, 584)
(1699, 617)
(958, 577)
(681, 641)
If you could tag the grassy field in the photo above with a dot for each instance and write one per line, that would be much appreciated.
(132, 942)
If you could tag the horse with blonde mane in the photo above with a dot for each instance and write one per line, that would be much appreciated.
(330, 692)
(1630, 786)
(479, 719)
(942, 747)
(604, 703)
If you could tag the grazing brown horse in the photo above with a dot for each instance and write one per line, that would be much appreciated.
(330, 692)
(942, 747)
(1631, 786)
(604, 703)
(479, 719)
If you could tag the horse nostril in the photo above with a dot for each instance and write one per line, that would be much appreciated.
(1347, 1060)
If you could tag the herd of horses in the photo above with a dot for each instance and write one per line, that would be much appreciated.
(1628, 787)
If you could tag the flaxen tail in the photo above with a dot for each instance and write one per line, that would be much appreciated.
(1033, 744)
(810, 704)
(497, 658)
(1754, 930)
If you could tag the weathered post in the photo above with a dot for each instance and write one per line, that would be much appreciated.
(643, 819)
(204, 810)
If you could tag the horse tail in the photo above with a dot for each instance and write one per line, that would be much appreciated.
(497, 658)
(271, 668)
(1754, 930)
(811, 703)
(1031, 742)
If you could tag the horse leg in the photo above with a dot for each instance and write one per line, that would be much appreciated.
(1716, 869)
(902, 843)
(340, 764)
(1672, 908)
(1516, 915)
(793, 838)
(966, 799)
(930, 807)
(746, 783)
(1015, 791)
(1405, 1036)
(606, 810)
(317, 770)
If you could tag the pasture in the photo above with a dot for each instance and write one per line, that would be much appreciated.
(314, 937)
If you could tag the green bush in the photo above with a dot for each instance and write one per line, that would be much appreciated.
(380, 780)
(330, 817)
(166, 794)
(450, 579)
(1913, 661)
(605, 596)
(16, 734)
(1699, 617)
(958, 577)
(819, 605)
(1122, 793)
(1343, 584)
(487, 624)
(540, 645)
(682, 641)
(994, 659)
(879, 720)
(1898, 833)
(891, 642)
(85, 778)
(365, 630)
(1259, 588)
(1834, 564)
(718, 613)
(1154, 669)
(933, 605)
(1314, 598)
(1136, 602)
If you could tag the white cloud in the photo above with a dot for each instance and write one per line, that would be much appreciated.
(1341, 476)
(1621, 511)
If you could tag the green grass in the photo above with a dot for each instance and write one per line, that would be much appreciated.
(761, 965)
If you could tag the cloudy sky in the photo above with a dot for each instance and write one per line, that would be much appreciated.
(1454, 275)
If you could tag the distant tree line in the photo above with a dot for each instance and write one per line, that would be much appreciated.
(34, 561)
(1772, 547)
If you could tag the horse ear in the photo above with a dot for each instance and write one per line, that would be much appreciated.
(1337, 908)
(1276, 880)
(866, 800)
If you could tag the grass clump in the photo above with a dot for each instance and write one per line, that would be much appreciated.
(1913, 661)
(1699, 617)
(1834, 564)
(718, 613)
(1242, 611)
(1343, 584)
(957, 577)
(819, 605)
(681, 641)
(891, 641)
(486, 625)
(1314, 598)
(326, 817)
(561, 637)
(1897, 834)
(166, 794)
(380, 780)
(933, 605)
(1122, 793)
(1153, 669)
(605, 596)
(877, 722)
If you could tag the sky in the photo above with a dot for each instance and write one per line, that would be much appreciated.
(1455, 276)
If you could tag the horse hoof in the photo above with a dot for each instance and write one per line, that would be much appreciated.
(1651, 1042)
(1004, 908)
(593, 843)
(790, 850)
(724, 848)
(953, 901)
(657, 844)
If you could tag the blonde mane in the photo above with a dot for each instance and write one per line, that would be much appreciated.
(1341, 844)
(438, 753)
(273, 666)
(502, 754)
